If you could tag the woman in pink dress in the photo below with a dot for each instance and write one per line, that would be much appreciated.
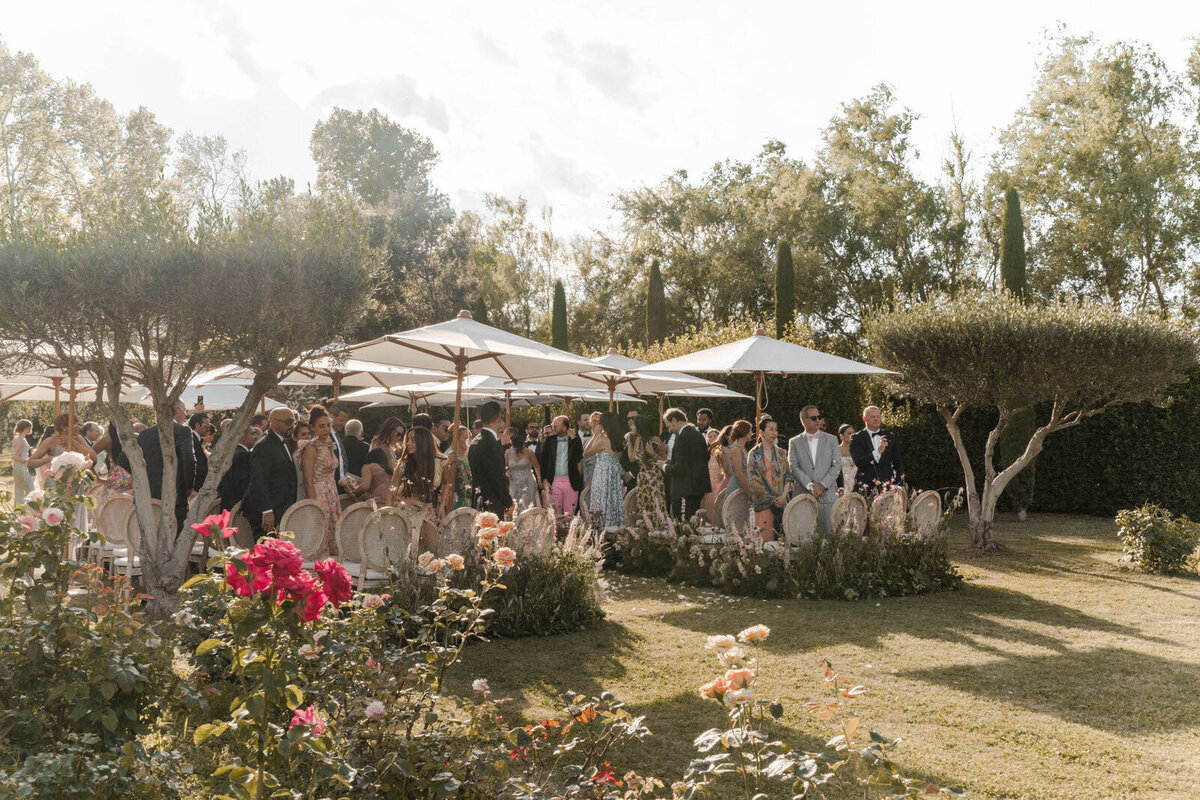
(318, 463)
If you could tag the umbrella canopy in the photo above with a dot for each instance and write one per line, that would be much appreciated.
(326, 371)
(216, 397)
(43, 392)
(623, 378)
(478, 389)
(462, 344)
(474, 400)
(759, 354)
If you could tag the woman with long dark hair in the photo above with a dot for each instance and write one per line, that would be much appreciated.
(416, 482)
(607, 495)
(318, 464)
(380, 466)
(647, 451)
(767, 480)
(119, 480)
(524, 474)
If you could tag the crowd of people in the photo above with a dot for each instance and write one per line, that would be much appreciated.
(429, 468)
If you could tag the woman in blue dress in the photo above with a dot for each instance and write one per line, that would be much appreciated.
(608, 494)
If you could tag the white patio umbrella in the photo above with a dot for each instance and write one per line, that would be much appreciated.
(759, 354)
(478, 389)
(326, 371)
(44, 392)
(462, 344)
(216, 397)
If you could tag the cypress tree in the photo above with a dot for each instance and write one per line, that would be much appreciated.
(1022, 426)
(785, 289)
(656, 306)
(558, 319)
(479, 313)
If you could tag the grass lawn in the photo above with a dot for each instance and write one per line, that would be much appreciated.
(1052, 674)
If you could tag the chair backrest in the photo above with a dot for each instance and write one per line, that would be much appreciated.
(112, 517)
(245, 534)
(91, 519)
(534, 534)
(926, 513)
(849, 514)
(629, 507)
(585, 502)
(387, 539)
(348, 533)
(887, 512)
(133, 530)
(306, 522)
(456, 532)
(800, 519)
(735, 513)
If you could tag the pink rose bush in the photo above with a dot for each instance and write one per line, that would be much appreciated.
(275, 567)
(216, 526)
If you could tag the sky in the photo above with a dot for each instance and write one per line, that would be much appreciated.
(567, 104)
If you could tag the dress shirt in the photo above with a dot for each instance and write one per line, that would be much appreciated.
(875, 437)
(560, 457)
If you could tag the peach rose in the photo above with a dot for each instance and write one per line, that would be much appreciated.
(739, 678)
(714, 690)
(505, 526)
(739, 696)
(486, 520)
(719, 643)
(755, 633)
(435, 566)
(505, 556)
(732, 658)
(487, 535)
(455, 561)
(373, 602)
(424, 559)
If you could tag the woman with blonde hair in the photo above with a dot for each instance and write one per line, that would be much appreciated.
(22, 477)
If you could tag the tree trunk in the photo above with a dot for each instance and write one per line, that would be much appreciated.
(981, 533)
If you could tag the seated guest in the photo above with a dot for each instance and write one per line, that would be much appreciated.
(380, 463)
(233, 485)
(560, 463)
(356, 448)
(415, 485)
(768, 482)
(486, 456)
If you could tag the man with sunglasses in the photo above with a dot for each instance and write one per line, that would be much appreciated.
(816, 462)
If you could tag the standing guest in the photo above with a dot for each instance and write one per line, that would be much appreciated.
(849, 471)
(876, 454)
(423, 420)
(198, 423)
(532, 432)
(272, 488)
(225, 423)
(138, 427)
(768, 481)
(302, 432)
(524, 472)
(585, 436)
(319, 464)
(608, 493)
(649, 453)
(338, 417)
(632, 468)
(716, 476)
(380, 464)
(687, 467)
(259, 421)
(415, 485)
(561, 463)
(441, 432)
(734, 442)
(118, 481)
(704, 421)
(476, 428)
(815, 462)
(486, 456)
(185, 461)
(22, 477)
(460, 481)
(91, 431)
(56, 441)
(236, 480)
(356, 448)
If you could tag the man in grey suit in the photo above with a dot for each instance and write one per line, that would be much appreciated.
(815, 462)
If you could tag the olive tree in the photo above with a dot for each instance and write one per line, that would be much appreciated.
(146, 299)
(1067, 361)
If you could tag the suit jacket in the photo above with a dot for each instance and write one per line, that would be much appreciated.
(201, 461)
(548, 460)
(272, 485)
(489, 473)
(871, 475)
(687, 469)
(343, 454)
(232, 487)
(825, 470)
(185, 464)
(356, 454)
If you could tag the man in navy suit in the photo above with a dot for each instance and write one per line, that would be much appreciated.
(876, 453)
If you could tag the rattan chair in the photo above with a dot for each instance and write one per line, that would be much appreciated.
(849, 514)
(585, 503)
(534, 534)
(926, 513)
(349, 540)
(112, 517)
(456, 533)
(629, 507)
(735, 513)
(350, 523)
(306, 521)
(800, 518)
(128, 560)
(387, 540)
(245, 533)
(888, 512)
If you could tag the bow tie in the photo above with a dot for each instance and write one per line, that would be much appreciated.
(876, 433)
(812, 437)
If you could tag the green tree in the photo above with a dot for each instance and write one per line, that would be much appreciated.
(1024, 423)
(785, 289)
(515, 266)
(1074, 359)
(656, 306)
(1012, 246)
(558, 327)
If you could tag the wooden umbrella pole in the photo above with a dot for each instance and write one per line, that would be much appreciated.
(71, 414)
(758, 384)
(460, 370)
(660, 414)
(337, 386)
(507, 409)
(612, 392)
(57, 386)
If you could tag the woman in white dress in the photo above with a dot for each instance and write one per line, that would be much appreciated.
(22, 478)
(524, 476)
(849, 471)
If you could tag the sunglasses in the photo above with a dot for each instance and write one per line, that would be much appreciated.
(817, 417)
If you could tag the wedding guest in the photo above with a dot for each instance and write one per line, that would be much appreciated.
(876, 454)
(607, 498)
(687, 467)
(22, 477)
(486, 456)
(461, 480)
(185, 461)
(734, 442)
(441, 432)
(56, 441)
(356, 448)
(338, 417)
(768, 483)
(716, 476)
(118, 480)
(259, 421)
(91, 431)
(300, 433)
(648, 451)
(585, 436)
(476, 428)
(560, 462)
(423, 420)
(198, 423)
(138, 427)
(380, 463)
(318, 465)
(632, 468)
(849, 471)
(272, 487)
(815, 463)
(236, 480)
(524, 472)
(532, 433)
(704, 420)
(415, 485)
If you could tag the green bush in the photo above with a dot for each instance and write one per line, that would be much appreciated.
(1155, 541)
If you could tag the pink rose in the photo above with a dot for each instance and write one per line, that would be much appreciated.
(308, 716)
(715, 689)
(335, 581)
(53, 516)
(505, 556)
(739, 678)
(215, 525)
(30, 523)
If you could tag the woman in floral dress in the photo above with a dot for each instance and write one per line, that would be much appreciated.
(648, 451)
(318, 464)
(767, 479)
(607, 495)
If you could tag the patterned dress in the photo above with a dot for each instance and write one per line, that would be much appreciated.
(462, 483)
(651, 492)
(324, 484)
(608, 496)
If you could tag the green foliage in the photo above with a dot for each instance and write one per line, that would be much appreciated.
(785, 290)
(1156, 541)
(1012, 272)
(558, 325)
(1012, 247)
(656, 306)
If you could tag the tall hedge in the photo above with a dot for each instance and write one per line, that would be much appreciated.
(558, 319)
(785, 289)
(656, 306)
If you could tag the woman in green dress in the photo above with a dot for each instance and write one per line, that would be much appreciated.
(649, 453)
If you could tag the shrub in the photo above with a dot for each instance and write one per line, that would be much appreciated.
(1155, 541)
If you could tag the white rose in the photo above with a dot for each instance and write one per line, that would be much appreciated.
(480, 685)
(309, 650)
(373, 602)
(373, 709)
(68, 459)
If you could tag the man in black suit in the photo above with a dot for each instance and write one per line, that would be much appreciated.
(486, 457)
(876, 453)
(198, 423)
(232, 487)
(687, 469)
(338, 417)
(272, 487)
(561, 462)
(185, 462)
(356, 448)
